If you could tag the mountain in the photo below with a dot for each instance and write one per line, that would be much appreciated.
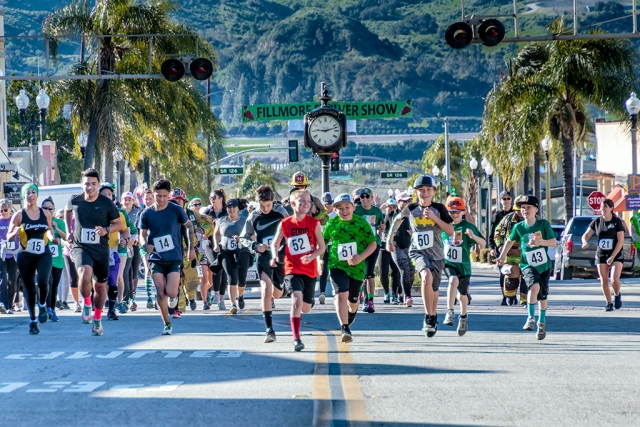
(279, 51)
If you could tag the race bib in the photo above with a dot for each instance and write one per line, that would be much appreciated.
(267, 240)
(199, 270)
(9, 245)
(55, 250)
(35, 246)
(89, 236)
(371, 219)
(232, 244)
(422, 239)
(345, 250)
(299, 245)
(605, 244)
(112, 258)
(453, 253)
(163, 244)
(537, 257)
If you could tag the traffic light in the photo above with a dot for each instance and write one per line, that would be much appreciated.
(293, 150)
(459, 35)
(335, 162)
(172, 70)
(201, 68)
(490, 31)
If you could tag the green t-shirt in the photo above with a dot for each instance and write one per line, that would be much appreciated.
(57, 261)
(537, 256)
(132, 230)
(374, 217)
(347, 238)
(458, 247)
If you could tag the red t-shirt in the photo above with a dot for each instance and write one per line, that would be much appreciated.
(301, 241)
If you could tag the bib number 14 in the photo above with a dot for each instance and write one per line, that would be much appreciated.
(163, 244)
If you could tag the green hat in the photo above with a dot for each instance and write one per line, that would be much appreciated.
(23, 191)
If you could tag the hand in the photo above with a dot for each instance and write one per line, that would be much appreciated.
(499, 261)
(70, 238)
(149, 248)
(390, 247)
(382, 227)
(261, 248)
(610, 260)
(122, 243)
(376, 200)
(306, 259)
(585, 245)
(101, 231)
(56, 241)
(493, 253)
(535, 242)
(192, 254)
(200, 230)
(274, 262)
(320, 267)
(426, 212)
(354, 260)
(216, 248)
(469, 233)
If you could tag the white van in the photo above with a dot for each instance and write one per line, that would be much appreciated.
(59, 193)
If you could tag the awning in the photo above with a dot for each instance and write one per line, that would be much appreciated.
(618, 195)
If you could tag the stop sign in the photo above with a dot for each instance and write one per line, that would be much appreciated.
(595, 200)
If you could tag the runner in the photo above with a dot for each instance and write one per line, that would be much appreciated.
(132, 209)
(57, 259)
(511, 271)
(257, 235)
(352, 241)
(535, 236)
(386, 263)
(457, 261)
(506, 208)
(373, 215)
(299, 181)
(609, 230)
(8, 265)
(33, 225)
(161, 236)
(428, 219)
(304, 245)
(95, 216)
(214, 279)
(148, 201)
(402, 242)
(327, 201)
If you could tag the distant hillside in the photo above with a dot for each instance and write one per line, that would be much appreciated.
(279, 50)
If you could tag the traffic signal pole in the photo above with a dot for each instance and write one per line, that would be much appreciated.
(326, 165)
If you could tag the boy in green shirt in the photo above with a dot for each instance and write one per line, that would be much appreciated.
(352, 241)
(375, 218)
(534, 235)
(457, 262)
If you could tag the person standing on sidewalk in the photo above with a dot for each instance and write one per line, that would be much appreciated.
(506, 208)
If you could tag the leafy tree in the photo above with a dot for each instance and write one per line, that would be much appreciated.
(255, 175)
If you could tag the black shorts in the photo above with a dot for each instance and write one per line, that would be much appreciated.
(97, 261)
(531, 276)
(602, 259)
(342, 282)
(371, 263)
(165, 267)
(463, 281)
(302, 283)
(276, 274)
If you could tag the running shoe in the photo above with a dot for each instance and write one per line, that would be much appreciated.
(3, 310)
(346, 335)
(17, 308)
(321, 298)
(401, 299)
(271, 336)
(430, 326)
(450, 318)
(86, 314)
(134, 306)
(608, 307)
(59, 305)
(504, 301)
(43, 315)
(273, 304)
(149, 303)
(241, 302)
(168, 329)
(351, 317)
(97, 328)
(177, 313)
(126, 306)
(462, 325)
(409, 301)
(618, 302)
(111, 315)
(65, 306)
(298, 345)
(9, 311)
(542, 331)
(394, 299)
(33, 328)
(523, 301)
(531, 322)
(206, 306)
(216, 299)
(365, 305)
(370, 308)
(193, 305)
(78, 308)
(233, 310)
(387, 298)
(122, 308)
(52, 315)
(221, 306)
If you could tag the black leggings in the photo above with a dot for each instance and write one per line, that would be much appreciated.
(56, 275)
(235, 265)
(28, 265)
(385, 262)
(8, 281)
(133, 271)
(126, 276)
(73, 273)
(324, 277)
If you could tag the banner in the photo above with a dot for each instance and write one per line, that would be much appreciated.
(353, 110)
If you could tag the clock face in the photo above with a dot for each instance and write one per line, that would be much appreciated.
(325, 130)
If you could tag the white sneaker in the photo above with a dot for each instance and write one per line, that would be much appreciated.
(216, 299)
(531, 322)
(221, 305)
(168, 329)
(450, 318)
(321, 298)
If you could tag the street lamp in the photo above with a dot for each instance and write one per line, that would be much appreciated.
(633, 107)
(488, 170)
(83, 139)
(435, 171)
(22, 102)
(473, 165)
(546, 146)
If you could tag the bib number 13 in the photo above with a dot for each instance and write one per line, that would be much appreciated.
(89, 236)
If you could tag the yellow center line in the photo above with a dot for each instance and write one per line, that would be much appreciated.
(321, 392)
(354, 400)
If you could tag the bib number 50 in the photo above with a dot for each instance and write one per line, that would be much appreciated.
(423, 239)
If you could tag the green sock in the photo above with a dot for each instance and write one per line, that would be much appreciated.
(543, 316)
(531, 308)
(147, 285)
(370, 296)
(133, 297)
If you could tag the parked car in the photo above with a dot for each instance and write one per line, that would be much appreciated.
(557, 230)
(573, 261)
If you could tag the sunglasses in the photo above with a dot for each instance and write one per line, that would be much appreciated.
(6, 210)
(365, 196)
(506, 198)
(196, 204)
(49, 209)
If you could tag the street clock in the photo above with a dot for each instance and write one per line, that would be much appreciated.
(325, 128)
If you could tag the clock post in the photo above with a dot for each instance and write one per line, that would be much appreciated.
(325, 133)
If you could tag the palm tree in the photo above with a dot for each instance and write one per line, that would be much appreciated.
(547, 90)
(143, 118)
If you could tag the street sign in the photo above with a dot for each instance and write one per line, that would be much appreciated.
(229, 170)
(595, 200)
(353, 110)
(8, 166)
(632, 203)
(12, 191)
(394, 175)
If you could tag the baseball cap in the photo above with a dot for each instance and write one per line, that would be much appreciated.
(404, 197)
(504, 193)
(233, 202)
(128, 194)
(391, 202)
(327, 198)
(528, 200)
(344, 197)
(424, 181)
(366, 191)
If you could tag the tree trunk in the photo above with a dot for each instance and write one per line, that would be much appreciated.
(107, 165)
(525, 181)
(133, 179)
(147, 172)
(567, 176)
(471, 196)
(536, 175)
(89, 152)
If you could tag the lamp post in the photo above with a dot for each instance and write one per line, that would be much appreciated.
(546, 146)
(83, 139)
(473, 165)
(435, 171)
(488, 170)
(633, 107)
(22, 102)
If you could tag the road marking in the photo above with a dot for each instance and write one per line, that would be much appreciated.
(356, 406)
(167, 354)
(321, 394)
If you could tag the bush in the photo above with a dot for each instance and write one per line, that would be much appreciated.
(484, 255)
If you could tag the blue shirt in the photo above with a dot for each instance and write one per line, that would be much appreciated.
(164, 231)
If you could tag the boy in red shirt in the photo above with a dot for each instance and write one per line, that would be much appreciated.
(304, 245)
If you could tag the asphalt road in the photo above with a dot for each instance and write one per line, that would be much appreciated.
(215, 369)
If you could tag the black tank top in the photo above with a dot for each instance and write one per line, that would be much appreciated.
(35, 229)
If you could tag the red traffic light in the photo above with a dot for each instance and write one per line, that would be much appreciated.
(201, 68)
(491, 32)
(172, 70)
(459, 35)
